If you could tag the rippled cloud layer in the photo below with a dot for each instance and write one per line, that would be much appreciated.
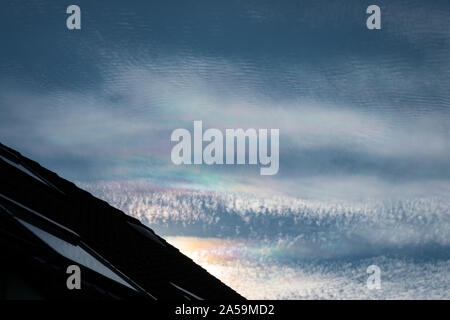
(288, 248)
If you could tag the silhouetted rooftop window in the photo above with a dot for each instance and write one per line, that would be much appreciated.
(74, 253)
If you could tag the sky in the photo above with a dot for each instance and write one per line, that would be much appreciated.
(364, 120)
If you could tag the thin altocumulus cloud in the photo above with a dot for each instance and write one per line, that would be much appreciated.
(289, 248)
(321, 228)
(118, 116)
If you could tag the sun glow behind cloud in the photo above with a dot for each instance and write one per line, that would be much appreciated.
(260, 276)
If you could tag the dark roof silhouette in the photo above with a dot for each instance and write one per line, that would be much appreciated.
(47, 223)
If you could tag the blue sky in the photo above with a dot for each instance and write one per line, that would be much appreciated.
(364, 117)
